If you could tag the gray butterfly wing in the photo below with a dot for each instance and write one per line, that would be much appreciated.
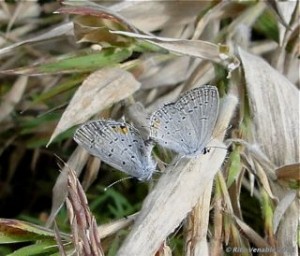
(187, 125)
(119, 145)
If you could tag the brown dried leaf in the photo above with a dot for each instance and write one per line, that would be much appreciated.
(92, 9)
(289, 172)
(92, 29)
(216, 240)
(101, 89)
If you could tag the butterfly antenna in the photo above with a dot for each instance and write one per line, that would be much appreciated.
(117, 181)
(207, 149)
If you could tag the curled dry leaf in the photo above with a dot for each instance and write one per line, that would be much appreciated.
(93, 22)
(101, 89)
(91, 9)
(146, 16)
(95, 30)
(289, 172)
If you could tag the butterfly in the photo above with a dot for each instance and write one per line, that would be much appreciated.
(186, 125)
(119, 145)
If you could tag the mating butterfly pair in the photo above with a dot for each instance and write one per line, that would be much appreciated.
(184, 126)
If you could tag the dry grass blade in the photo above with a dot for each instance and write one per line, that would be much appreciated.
(175, 194)
(156, 15)
(101, 89)
(165, 72)
(282, 207)
(83, 224)
(106, 230)
(197, 226)
(59, 241)
(76, 162)
(285, 11)
(92, 171)
(13, 97)
(64, 29)
(194, 48)
(257, 240)
(274, 102)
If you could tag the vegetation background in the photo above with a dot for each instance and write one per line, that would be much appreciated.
(63, 63)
